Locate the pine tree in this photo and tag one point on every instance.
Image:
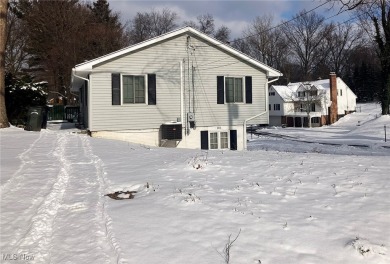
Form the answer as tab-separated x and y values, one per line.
107	34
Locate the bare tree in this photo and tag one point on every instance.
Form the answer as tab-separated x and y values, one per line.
343	39
223	34
374	16
15	53
190	23
267	43
306	34
148	25
3	25
164	21
206	24
242	45
259	38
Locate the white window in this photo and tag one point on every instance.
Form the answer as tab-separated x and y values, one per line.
224	138
214	140
277	107
219	140
234	90
133	89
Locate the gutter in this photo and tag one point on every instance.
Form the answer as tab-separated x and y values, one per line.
88	95
253	117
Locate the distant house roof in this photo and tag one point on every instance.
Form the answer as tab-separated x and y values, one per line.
288	92
284	91
83	69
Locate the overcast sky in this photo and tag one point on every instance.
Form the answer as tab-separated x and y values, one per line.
236	15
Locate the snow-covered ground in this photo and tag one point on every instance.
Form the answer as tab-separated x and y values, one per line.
285	200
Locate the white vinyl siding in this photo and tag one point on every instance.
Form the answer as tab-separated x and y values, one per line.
164	59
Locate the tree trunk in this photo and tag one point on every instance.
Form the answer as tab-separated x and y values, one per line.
385	100
3	25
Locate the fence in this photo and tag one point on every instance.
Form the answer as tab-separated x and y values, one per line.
60	112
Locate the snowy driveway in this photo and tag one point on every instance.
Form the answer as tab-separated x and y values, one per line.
292	203
52	195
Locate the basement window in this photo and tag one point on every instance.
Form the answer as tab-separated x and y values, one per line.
219	140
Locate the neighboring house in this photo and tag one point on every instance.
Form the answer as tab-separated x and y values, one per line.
324	101
182	89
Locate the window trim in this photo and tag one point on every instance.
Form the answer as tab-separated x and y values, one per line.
243	89
275	108
219	139
312	107
146	89
314	119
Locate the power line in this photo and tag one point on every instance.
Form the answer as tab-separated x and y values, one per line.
284	23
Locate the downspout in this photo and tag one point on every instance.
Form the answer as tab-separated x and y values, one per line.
253	117
88	96
182	98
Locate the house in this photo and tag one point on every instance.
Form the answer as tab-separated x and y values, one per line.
182	89
314	103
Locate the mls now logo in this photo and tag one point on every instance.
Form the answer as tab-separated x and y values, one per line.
20	257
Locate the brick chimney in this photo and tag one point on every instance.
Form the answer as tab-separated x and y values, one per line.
333	97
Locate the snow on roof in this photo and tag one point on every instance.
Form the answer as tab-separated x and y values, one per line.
287	92
284	91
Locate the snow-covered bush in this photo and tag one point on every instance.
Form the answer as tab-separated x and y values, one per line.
20	94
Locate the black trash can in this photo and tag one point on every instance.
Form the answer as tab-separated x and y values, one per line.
45	113
34	119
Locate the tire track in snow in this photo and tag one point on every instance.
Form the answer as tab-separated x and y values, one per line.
27	191
101	206
25	159
38	237
82	231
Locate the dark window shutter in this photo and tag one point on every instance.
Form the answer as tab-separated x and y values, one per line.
220	90
116	88
152	89
204	139
233	139
248	89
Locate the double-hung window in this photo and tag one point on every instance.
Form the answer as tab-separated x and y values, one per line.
224	139
134	89
234	90
214	140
